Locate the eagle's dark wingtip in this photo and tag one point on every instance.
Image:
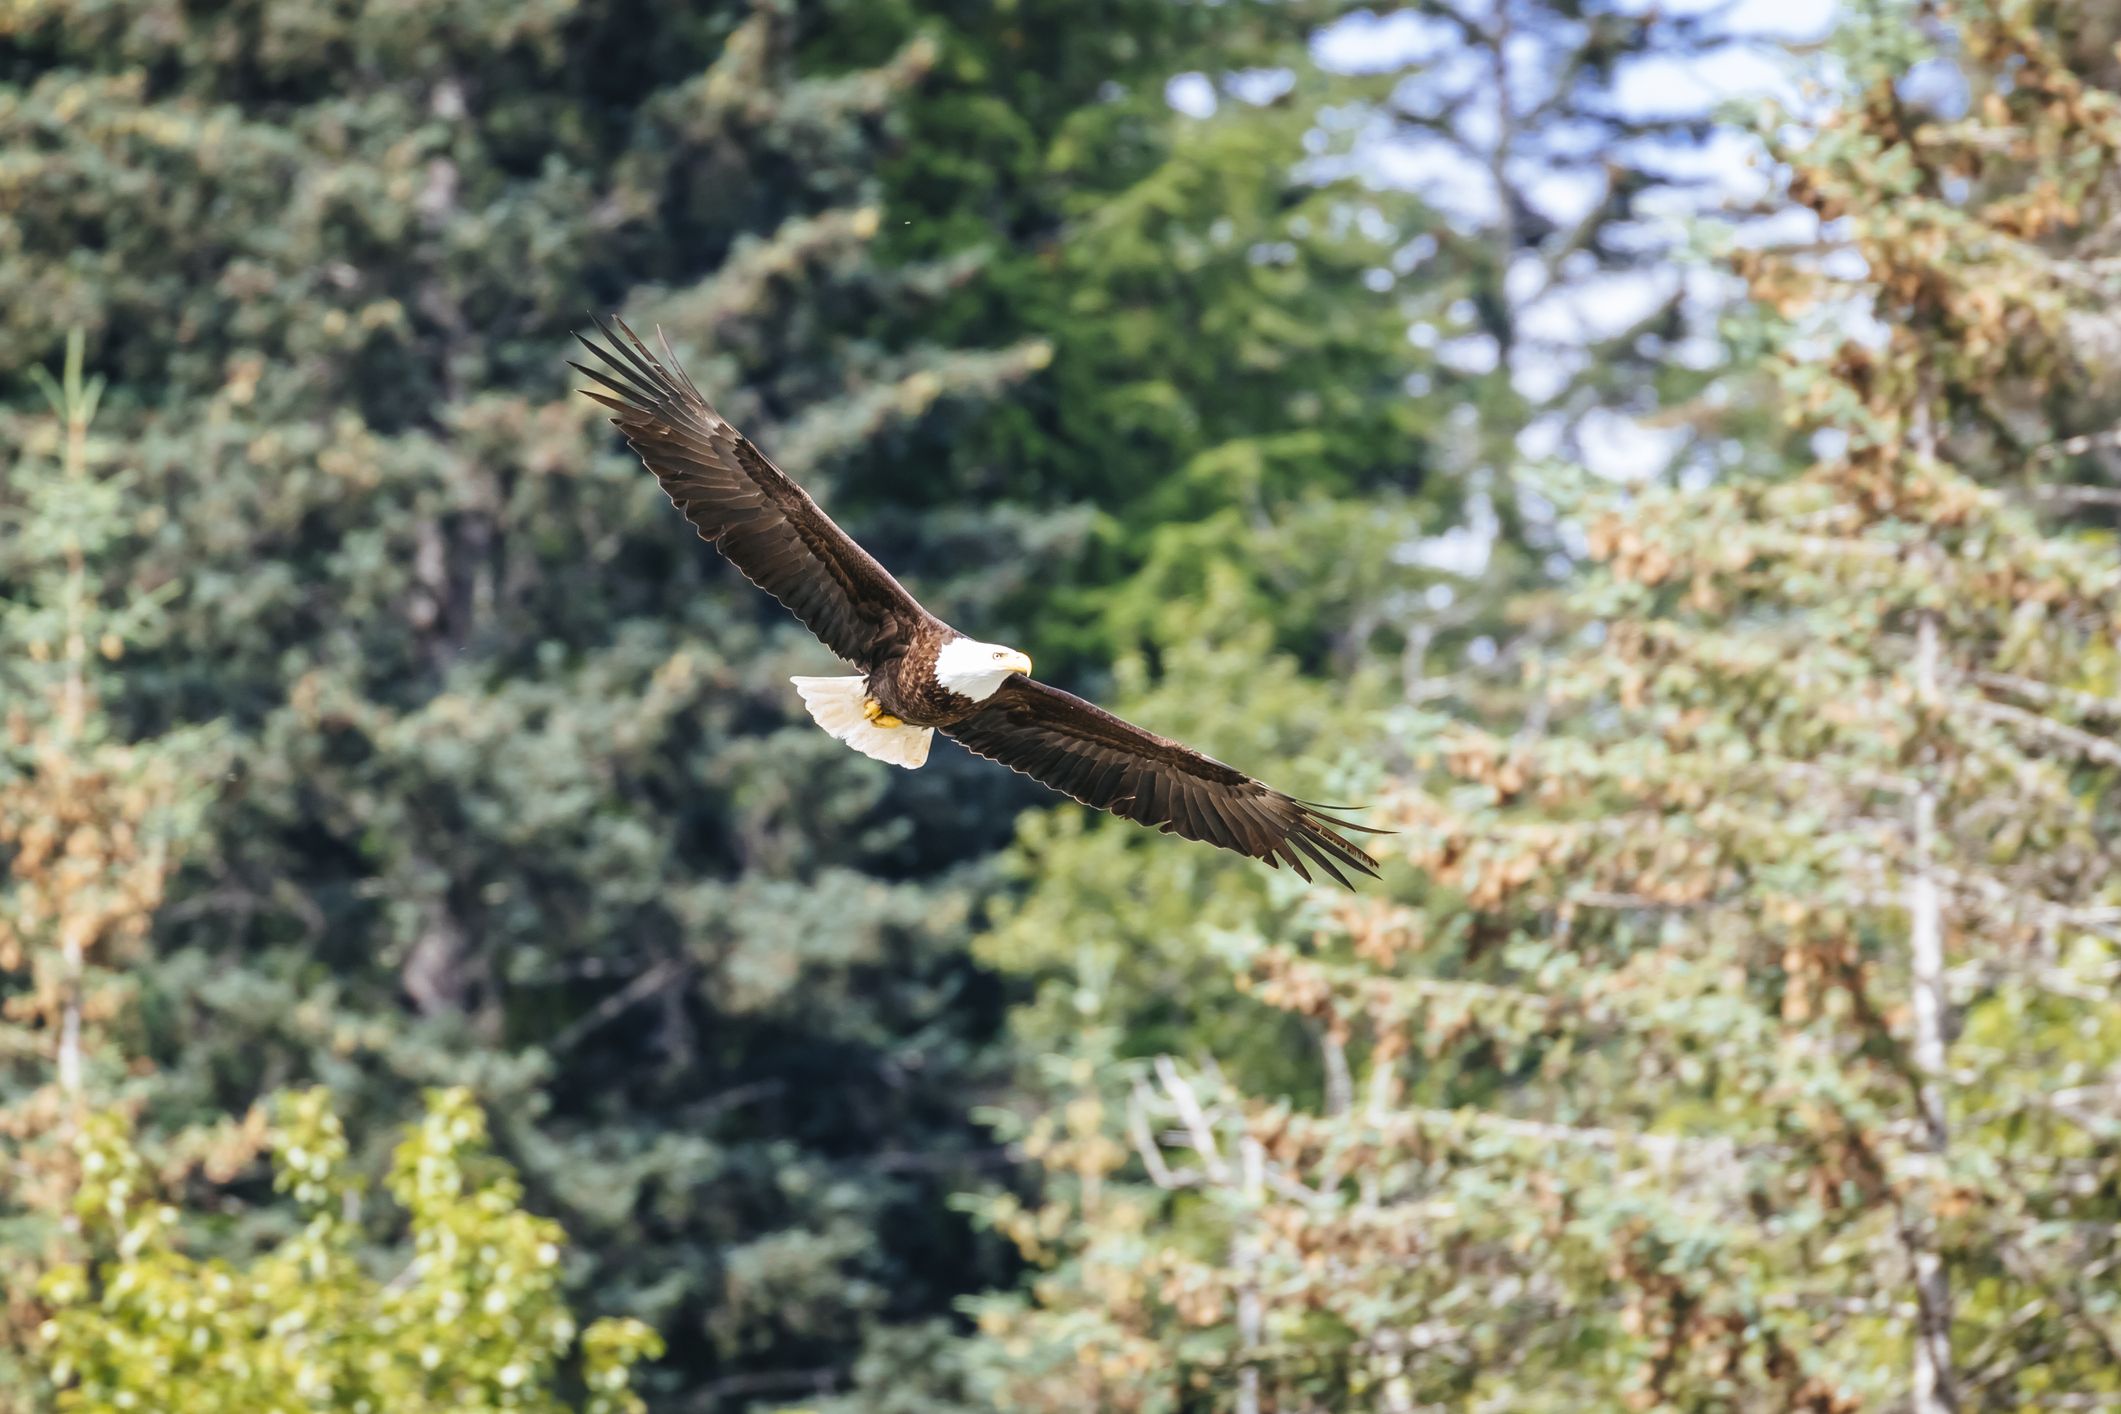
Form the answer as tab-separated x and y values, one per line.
610	356
1318	812
617	346
1322	856
1319	841
629	368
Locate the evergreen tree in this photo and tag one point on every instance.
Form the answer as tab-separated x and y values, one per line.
102	1311
515	798
1745	1036
91	824
1487	312
515	795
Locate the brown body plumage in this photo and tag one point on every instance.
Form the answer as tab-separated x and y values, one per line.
904	684
775	534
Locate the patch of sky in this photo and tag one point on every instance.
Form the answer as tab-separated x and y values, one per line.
1368	43
1436	136
1616	447
1192	94
1938	85
1259	86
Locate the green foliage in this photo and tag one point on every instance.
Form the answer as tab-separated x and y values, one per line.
1217	359
475	1319
512	795
91	826
1112	930
512	791
1282	585
515	792
1741	1035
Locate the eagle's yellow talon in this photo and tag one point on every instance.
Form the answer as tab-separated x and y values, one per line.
874	711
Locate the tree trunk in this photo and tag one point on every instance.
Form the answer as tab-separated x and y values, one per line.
1934	1388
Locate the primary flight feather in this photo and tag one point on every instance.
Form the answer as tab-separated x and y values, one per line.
919	675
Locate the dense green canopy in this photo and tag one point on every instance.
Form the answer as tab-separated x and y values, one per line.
510	790
371	722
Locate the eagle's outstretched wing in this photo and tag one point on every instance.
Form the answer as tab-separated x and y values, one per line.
1086	753
744	505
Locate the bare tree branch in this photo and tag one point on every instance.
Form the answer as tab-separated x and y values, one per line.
1198	1131
638	990
2076	739
2047	695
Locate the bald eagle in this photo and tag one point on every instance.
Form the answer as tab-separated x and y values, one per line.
918	675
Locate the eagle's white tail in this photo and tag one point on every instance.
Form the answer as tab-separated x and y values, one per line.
836	705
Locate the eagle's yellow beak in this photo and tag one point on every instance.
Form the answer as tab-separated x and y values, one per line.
1018	663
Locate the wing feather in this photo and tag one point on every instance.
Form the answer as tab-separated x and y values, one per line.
744	505
1086	753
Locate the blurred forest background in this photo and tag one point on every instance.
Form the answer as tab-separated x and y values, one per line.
442	969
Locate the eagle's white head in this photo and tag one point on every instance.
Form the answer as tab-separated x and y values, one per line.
977	670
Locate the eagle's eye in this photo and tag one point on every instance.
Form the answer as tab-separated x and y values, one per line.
998	657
